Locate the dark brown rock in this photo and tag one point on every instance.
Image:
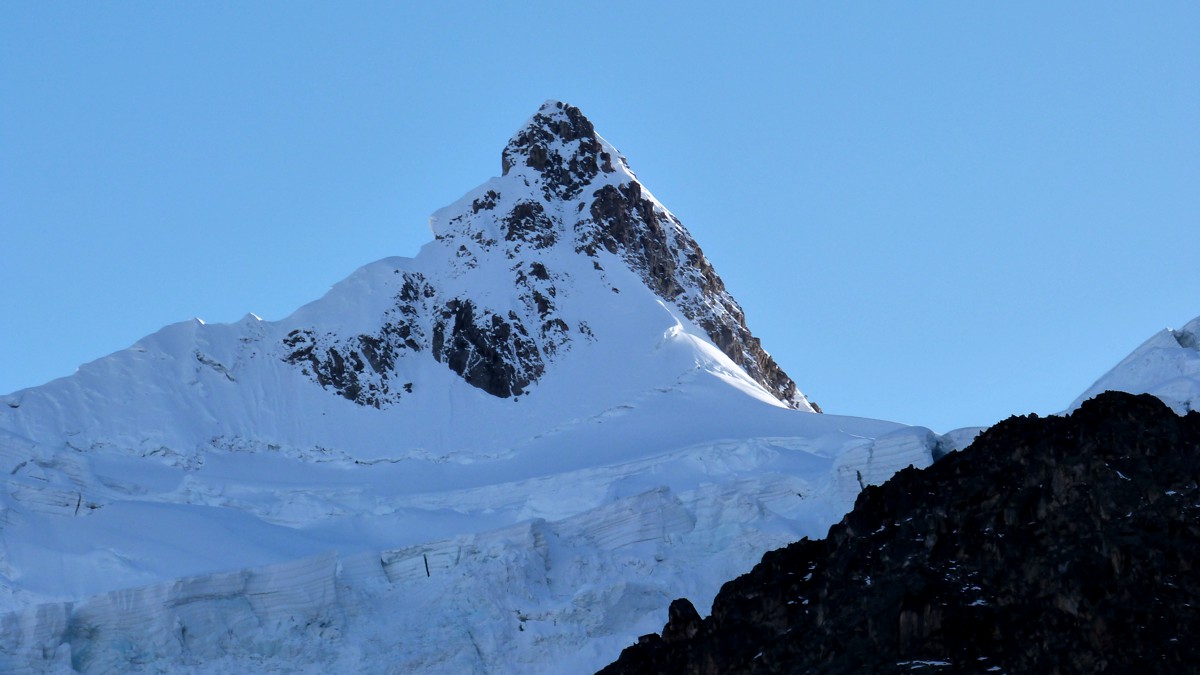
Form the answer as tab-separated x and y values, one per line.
488	351
528	222
683	621
362	367
656	246
541	145
485	203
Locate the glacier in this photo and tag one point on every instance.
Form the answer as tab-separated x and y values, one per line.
1166	366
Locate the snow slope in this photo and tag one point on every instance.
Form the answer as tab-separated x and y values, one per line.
507	454
1166	366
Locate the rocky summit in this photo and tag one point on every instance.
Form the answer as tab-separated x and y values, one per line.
564	192
1056	545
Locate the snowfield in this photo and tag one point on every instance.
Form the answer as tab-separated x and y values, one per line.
535	560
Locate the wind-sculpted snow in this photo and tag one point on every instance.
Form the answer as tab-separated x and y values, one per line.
505	455
574	300
540	560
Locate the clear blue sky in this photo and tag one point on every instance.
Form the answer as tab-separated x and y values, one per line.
935	213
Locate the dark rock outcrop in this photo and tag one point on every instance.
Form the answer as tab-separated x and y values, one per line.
490	352
1056	545
362	368
560	144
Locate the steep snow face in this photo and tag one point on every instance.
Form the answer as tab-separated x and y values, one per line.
1166	366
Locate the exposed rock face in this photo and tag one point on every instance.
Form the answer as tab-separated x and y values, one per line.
491	352
625	221
564	192
362	368
1058	545
560	145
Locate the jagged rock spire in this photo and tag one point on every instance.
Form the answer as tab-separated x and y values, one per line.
559	148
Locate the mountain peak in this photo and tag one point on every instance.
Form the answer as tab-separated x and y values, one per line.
563	197
563	283
559	148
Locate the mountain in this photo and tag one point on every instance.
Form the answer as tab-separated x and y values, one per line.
506	454
524	266
1166	366
1056	545
534	280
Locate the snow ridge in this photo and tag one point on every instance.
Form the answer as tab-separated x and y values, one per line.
1166	366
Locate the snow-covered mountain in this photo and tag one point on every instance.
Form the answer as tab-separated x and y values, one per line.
507	454
1166	366
562	285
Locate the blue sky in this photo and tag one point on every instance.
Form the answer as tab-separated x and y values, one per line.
935	213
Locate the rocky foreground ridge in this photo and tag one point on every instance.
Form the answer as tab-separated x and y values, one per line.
1055	545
